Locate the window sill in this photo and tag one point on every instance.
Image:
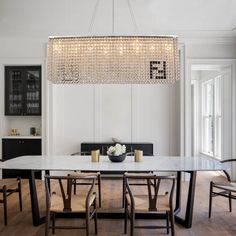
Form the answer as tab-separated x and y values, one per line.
210	156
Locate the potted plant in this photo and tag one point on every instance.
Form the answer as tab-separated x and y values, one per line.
117	153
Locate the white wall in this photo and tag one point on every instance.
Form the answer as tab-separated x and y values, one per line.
22	124
211	50
129	113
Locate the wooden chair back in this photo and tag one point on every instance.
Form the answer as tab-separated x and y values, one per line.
153	184
85	153
65	189
225	171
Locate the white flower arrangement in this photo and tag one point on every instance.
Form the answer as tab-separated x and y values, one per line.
116	150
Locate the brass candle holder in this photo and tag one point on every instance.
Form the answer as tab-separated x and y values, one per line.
138	154
95	155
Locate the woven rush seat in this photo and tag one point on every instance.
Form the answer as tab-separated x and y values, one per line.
78	203
142	203
84	174
131	174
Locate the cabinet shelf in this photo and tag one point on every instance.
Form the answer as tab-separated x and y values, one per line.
22	82
32	101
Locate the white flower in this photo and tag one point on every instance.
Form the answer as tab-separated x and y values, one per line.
116	150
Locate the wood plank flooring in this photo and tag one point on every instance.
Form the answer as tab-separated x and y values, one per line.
222	222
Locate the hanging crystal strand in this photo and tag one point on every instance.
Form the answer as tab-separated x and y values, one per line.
113	17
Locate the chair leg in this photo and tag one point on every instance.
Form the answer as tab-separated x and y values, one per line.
99	191
167	223
95	217
87	222
47	223
172	223
5	204
230	202
123	192
126	218
53	223
20	195
210	199
132	220
75	188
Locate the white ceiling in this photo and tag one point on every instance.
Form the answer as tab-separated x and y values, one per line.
41	18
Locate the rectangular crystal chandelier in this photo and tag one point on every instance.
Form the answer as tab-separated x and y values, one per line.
113	60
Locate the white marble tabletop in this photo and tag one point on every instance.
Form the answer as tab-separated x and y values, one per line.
149	163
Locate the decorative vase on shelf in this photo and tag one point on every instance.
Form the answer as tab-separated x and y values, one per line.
117	153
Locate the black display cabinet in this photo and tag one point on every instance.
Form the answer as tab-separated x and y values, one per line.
15	147
147	148
23	90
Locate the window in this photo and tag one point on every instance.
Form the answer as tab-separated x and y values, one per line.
212	117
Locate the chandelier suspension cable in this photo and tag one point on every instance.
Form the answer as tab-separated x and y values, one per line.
113	17
133	17
92	20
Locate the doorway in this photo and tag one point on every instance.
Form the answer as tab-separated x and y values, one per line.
211	111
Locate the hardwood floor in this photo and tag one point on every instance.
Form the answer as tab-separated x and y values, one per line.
221	223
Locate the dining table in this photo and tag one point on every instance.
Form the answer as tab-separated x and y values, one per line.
175	164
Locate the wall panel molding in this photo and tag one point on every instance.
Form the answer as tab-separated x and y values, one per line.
135	114
97	115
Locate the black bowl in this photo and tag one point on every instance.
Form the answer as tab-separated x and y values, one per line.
119	158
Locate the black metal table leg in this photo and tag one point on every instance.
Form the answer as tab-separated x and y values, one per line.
37	220
178	193
187	221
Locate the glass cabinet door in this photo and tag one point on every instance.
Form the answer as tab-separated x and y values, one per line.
14	88
33	92
23	90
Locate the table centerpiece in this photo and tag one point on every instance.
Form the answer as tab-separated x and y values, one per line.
117	153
